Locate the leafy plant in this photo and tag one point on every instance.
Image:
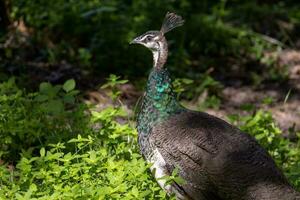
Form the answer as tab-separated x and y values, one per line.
210	102
96	158
208	82
180	85
112	82
174	177
28	121
84	56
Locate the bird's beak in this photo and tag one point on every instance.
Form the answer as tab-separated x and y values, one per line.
134	41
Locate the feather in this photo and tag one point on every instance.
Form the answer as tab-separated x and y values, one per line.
170	22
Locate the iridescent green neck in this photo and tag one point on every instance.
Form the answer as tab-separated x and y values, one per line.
159	101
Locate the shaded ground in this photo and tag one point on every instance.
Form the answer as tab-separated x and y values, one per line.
284	99
284	105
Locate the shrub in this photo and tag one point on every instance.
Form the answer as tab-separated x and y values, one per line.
66	151
29	121
103	165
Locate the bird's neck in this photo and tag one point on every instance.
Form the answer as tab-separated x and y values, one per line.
159	101
160	55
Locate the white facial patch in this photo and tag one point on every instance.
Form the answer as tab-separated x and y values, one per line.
156	38
145	36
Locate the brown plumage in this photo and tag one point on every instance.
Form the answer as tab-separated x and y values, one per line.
217	160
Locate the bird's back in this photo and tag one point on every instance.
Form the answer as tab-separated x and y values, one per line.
216	159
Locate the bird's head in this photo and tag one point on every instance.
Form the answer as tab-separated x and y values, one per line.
153	40
150	39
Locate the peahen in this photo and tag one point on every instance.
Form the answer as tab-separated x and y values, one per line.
216	160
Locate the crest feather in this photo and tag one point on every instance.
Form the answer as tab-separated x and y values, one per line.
171	21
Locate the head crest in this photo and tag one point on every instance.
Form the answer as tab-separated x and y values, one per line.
171	21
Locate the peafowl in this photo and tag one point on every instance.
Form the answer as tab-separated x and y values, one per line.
216	160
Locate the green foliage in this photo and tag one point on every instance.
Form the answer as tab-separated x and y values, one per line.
95	158
112	83
180	85
84	57
208	82
69	85
210	102
188	88
104	165
173	178
28	121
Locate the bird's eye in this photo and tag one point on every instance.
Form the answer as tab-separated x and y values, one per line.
148	38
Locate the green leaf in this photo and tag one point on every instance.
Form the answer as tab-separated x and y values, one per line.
135	191
69	85
33	187
69	99
42	152
41	98
74	92
45	87
55	106
179	180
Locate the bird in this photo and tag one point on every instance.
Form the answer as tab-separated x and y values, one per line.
216	160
